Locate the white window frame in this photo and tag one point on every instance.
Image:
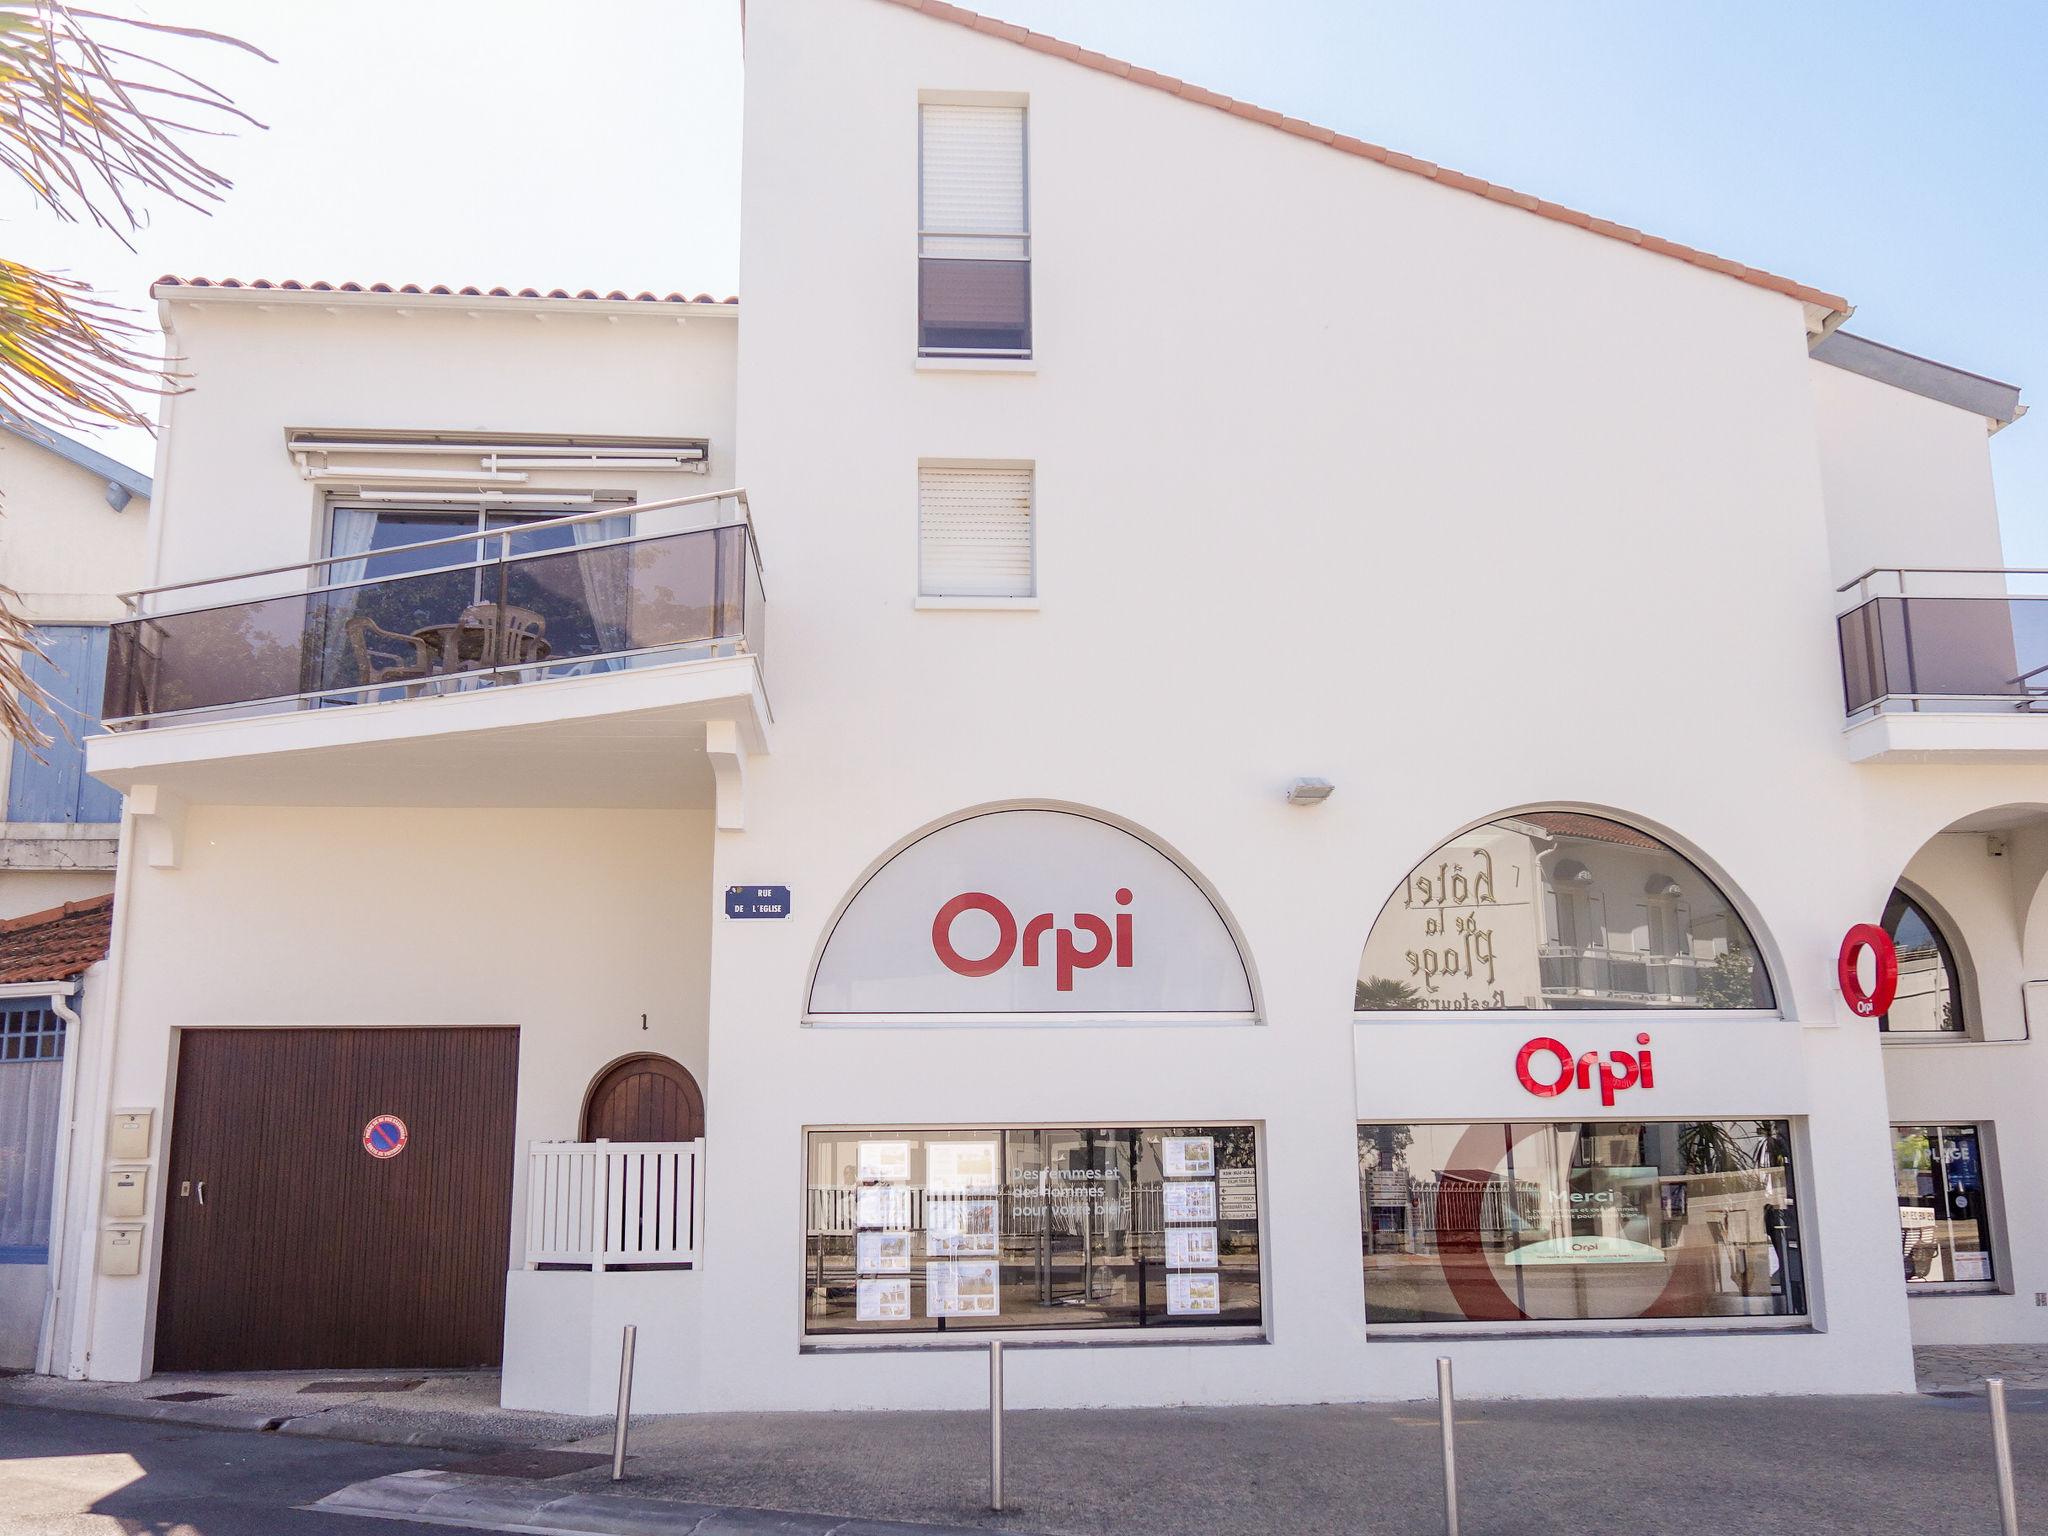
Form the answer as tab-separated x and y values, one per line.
981	358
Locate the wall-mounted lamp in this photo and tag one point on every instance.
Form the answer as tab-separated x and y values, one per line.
1309	791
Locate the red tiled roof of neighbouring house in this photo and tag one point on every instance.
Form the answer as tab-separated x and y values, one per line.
942	11
1597	828
438	290
56	945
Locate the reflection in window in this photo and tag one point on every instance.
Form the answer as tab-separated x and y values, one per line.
1944	1225
936	1231
1549	1222
1558	909
1929	999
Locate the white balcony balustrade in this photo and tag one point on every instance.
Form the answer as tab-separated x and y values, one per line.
614	1204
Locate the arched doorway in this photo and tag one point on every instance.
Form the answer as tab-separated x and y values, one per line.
644	1098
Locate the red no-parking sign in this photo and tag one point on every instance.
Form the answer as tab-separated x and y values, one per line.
385	1136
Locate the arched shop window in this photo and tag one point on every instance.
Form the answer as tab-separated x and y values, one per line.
1555	910
1930	998
1030	913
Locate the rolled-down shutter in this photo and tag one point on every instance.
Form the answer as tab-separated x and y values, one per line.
973	182
974	531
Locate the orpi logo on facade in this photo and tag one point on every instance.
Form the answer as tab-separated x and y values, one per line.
1069	955
1549	1078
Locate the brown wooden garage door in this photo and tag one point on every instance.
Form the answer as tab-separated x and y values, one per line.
303	1251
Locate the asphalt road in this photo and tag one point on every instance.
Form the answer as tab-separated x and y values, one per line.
76	1473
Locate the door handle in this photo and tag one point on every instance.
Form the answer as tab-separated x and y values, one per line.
202	1191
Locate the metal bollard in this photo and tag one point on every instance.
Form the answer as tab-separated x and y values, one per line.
995	1425
1443	1414
2001	1450
632	1335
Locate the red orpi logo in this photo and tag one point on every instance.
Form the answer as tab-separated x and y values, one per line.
1885	965
1617	1069
1068	954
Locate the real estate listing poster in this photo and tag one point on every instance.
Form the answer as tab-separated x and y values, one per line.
882	1301
882	1205
962	1289
1190	1202
1193	1295
960	1227
882	1253
1188	1157
885	1162
961	1165
1190	1247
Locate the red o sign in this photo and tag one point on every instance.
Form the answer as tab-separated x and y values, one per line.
1868	1005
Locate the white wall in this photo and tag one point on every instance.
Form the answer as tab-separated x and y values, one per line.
1907	479
62	548
570	925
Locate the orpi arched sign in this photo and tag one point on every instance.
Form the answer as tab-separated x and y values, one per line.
1030	913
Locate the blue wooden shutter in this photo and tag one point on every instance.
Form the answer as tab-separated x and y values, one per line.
74	675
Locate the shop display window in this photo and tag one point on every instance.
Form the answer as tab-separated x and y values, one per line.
1558	910
915	1231
1944	1216
1546	1222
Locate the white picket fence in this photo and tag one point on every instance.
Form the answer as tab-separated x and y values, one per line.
606	1204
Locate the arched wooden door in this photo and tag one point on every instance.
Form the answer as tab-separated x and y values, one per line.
644	1098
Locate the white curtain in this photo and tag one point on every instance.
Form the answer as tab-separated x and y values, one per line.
607	583
349	543
28	1150
349	538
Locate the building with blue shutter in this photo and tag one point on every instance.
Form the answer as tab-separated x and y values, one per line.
72	537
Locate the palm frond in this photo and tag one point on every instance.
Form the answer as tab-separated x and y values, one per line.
84	125
78	125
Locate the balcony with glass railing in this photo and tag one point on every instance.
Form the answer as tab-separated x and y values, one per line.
561	636
1945	663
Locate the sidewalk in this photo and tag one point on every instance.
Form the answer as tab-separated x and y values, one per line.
1817	1466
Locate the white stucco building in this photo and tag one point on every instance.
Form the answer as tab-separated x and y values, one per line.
828	922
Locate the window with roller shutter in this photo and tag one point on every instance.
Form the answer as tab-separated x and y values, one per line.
974	239
974	531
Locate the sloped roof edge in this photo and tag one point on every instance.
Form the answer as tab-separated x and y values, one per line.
113	471
57	944
941	10
170	285
1997	402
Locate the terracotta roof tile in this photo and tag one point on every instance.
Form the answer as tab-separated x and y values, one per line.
1596	828
57	945
1059	48
293	285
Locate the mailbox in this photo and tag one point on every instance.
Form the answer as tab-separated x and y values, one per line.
120	1251
128	1137
127	1193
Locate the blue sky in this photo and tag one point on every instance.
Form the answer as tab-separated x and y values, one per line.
1888	151
1895	153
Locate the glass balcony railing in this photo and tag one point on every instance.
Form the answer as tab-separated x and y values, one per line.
1978	645
499	613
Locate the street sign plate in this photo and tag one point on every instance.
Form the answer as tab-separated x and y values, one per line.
749	901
